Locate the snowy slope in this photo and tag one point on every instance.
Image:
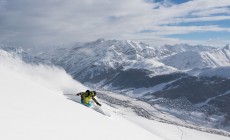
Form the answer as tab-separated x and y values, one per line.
210	71
33	108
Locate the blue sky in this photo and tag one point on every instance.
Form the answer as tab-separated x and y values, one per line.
155	22
195	21
205	35
223	11
171	1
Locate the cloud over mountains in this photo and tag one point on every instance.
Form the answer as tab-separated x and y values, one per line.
57	21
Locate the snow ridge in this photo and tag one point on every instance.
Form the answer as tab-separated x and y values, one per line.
192	60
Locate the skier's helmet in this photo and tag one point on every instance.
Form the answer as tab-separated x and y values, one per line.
87	93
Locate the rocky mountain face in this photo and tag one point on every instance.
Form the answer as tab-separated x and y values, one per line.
180	77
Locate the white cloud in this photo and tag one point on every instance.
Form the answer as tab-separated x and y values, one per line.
168	30
213	11
58	21
190	8
196	19
70	20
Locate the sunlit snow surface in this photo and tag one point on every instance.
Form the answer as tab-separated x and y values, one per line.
33	107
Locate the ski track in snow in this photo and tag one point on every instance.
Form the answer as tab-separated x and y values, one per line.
208	100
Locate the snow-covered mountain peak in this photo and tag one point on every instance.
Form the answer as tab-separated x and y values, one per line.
212	57
187	47
4	53
227	47
13	50
100	40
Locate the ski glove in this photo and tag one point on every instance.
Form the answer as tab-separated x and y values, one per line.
98	104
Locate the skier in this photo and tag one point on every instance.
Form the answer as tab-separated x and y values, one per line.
87	96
